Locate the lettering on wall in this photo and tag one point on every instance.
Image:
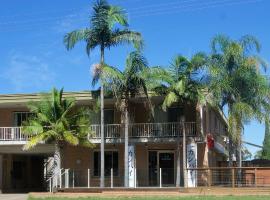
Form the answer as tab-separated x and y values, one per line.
192	163
131	165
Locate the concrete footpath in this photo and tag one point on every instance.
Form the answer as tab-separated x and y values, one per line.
13	196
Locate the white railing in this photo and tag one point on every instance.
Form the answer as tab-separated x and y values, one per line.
170	129
12	134
110	130
137	130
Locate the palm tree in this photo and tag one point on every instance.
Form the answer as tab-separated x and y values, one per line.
55	120
104	33
236	82
125	85
180	83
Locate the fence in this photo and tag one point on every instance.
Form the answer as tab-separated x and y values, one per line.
232	176
166	177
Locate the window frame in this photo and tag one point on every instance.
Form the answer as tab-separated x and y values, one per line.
15	117
112	151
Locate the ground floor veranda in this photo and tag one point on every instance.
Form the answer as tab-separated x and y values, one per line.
150	165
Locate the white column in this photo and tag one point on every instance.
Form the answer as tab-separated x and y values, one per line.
1	173
131	166
192	163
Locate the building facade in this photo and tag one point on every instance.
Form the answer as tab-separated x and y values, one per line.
155	146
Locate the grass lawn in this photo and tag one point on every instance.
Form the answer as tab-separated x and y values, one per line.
164	198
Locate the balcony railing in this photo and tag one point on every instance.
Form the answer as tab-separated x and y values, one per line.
12	134
146	130
136	130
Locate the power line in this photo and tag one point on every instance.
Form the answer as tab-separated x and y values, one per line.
140	13
178	9
138	10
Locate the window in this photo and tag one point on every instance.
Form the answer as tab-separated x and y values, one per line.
111	162
20	117
108	116
175	114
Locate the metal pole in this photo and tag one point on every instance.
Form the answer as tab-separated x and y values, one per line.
88	178
56	181
73	179
60	178
184	155
50	186
111	177
67	178
135	179
160	177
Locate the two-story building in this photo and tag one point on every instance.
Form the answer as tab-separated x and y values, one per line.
155	145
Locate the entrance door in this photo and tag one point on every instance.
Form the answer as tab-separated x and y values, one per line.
153	168
166	163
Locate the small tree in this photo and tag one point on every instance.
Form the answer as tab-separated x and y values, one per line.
55	120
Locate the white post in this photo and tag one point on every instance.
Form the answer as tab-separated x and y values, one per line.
1	171
73	179
184	155
12	134
135	171
66	178
160	177
50	182
56	181
88	178
111	177
60	178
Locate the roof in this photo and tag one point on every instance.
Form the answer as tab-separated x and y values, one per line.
22	99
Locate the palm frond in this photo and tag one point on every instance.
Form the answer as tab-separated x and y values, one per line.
72	38
117	15
127	37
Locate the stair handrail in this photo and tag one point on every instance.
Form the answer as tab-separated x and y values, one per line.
53	176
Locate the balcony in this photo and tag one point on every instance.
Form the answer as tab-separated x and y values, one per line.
13	135
145	130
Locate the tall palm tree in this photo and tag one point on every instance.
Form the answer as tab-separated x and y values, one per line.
55	120
181	82
236	82
125	85
104	32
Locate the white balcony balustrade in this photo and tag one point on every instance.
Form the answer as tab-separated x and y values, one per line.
136	130
12	134
146	130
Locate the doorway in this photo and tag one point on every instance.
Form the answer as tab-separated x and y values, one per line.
164	161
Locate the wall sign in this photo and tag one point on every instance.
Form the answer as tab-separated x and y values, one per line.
131	166
192	163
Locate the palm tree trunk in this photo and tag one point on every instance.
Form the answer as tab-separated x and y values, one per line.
126	144
102	145
178	176
231	146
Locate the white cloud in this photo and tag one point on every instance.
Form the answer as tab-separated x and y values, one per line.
28	72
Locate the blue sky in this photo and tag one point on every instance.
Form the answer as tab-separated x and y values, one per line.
33	57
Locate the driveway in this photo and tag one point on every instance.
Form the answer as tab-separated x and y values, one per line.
13	196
